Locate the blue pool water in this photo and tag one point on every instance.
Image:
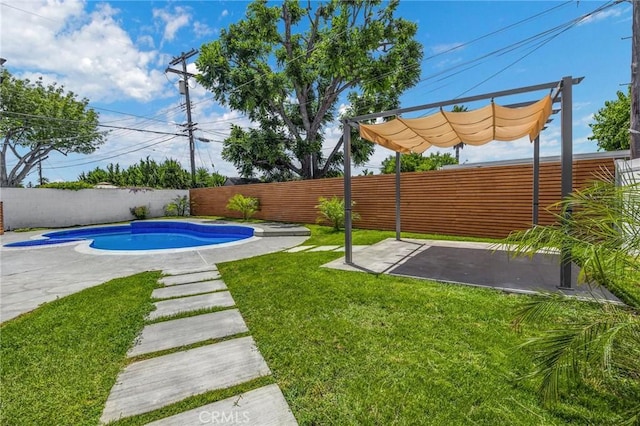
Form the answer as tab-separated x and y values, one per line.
146	236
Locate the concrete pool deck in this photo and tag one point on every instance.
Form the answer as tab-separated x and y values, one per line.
32	276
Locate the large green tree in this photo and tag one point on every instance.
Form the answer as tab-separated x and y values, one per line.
417	162
288	66
611	124
37	119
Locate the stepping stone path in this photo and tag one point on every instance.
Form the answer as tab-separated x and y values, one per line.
158	381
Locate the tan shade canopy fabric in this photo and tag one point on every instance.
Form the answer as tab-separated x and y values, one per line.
446	129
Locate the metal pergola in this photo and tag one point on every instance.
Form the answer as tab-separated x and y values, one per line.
560	91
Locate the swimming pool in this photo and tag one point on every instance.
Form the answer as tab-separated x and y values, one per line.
145	235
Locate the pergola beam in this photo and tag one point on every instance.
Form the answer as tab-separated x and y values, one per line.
499	94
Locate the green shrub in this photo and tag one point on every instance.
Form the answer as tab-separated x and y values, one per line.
332	212
72	186
245	205
140	212
178	207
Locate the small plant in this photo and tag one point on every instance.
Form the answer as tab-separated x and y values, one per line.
332	211
245	205
139	212
178	207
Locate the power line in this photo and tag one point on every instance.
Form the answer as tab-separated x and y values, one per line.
28	12
44	117
114	156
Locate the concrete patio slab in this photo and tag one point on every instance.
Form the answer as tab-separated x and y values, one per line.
32	276
167	308
154	383
263	406
188	289
185	331
381	257
190	278
462	262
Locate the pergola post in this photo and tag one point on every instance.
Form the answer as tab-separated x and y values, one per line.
348	248
567	172
536	179
398	224
562	88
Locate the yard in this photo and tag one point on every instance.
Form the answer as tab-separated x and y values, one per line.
344	347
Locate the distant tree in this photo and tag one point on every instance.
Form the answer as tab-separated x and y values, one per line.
204	179
417	163
95	176
149	173
612	122
288	67
36	120
458	147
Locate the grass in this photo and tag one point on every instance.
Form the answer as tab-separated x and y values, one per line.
345	348
325	235
60	361
353	348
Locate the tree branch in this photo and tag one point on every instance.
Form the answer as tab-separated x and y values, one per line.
329	159
290	124
301	92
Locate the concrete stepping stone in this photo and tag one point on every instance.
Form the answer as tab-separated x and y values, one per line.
262	406
185	331
298	249
188	289
179	271
190	278
154	383
324	248
166	308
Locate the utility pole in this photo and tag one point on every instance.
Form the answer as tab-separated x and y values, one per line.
184	89
634	130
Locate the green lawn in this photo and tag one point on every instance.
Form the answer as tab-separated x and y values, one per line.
354	348
345	347
59	362
324	235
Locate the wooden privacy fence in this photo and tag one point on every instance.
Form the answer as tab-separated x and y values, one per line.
466	201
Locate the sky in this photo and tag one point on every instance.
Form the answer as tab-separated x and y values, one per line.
115	53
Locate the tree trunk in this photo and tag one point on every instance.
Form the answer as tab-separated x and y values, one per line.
634	130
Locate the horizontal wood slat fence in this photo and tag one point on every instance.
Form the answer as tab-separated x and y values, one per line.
486	201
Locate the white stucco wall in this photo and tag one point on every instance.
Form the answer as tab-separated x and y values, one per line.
627	171
56	208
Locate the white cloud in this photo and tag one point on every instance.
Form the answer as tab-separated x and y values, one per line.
90	54
613	12
146	40
200	29
581	105
173	21
585	120
224	13
448	62
445	48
